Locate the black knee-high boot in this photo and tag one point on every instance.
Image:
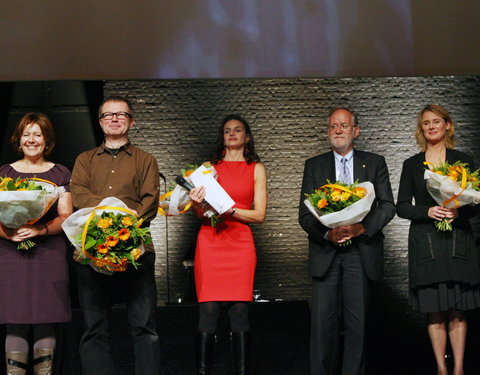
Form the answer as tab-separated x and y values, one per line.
205	344
241	352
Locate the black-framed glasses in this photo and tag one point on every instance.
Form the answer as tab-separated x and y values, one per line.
119	115
343	126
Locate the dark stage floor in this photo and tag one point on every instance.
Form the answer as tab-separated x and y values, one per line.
280	333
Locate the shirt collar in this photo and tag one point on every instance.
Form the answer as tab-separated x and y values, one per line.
339	157
126	147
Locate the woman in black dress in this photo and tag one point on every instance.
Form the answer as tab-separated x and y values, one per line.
34	285
443	265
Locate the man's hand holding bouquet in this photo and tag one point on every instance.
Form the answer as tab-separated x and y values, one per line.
341	207
107	237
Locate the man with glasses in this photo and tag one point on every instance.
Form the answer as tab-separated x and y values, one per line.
118	169
341	273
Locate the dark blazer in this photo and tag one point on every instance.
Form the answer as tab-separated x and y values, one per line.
436	256
366	167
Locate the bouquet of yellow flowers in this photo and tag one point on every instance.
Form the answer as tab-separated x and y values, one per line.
25	201
177	200
452	186
108	237
341	204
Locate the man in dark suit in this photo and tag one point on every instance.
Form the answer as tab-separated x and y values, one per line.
341	274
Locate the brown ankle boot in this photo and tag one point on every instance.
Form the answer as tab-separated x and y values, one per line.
43	361
16	363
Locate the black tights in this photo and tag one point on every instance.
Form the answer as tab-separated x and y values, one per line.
237	313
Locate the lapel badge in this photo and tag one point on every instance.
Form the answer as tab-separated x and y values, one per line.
363	166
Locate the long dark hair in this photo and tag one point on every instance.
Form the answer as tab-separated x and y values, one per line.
249	150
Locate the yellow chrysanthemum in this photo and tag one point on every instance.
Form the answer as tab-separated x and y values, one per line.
136	253
360	191
336	195
127	221
345	196
104	223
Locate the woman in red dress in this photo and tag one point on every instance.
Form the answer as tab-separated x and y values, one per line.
225	256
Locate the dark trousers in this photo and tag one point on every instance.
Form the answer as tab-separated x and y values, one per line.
96	291
341	293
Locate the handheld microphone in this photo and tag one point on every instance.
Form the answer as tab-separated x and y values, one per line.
183	183
186	185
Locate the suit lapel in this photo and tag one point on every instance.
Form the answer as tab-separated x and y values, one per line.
419	163
329	168
359	167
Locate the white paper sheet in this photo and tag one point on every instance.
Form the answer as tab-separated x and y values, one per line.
216	196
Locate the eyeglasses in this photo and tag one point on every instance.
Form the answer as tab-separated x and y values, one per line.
339	126
119	115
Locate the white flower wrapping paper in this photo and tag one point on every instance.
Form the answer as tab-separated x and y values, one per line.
179	198
74	224
177	201
352	214
18	208
443	188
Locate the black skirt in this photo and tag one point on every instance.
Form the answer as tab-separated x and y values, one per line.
445	296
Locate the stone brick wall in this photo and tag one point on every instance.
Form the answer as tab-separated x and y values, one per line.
177	122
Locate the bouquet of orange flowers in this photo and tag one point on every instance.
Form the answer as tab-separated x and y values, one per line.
25	201
341	204
452	186
108	237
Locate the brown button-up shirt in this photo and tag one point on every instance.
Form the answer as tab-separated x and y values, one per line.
131	176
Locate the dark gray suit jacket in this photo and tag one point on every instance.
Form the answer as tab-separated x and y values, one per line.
367	166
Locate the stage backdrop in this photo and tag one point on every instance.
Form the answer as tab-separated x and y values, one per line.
177	121
111	39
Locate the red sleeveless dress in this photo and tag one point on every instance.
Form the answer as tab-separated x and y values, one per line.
225	256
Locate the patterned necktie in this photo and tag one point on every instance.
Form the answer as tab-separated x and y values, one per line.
344	172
